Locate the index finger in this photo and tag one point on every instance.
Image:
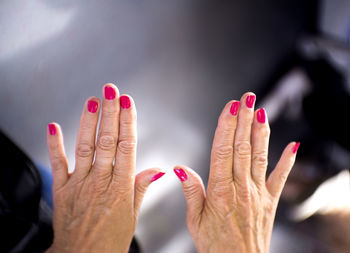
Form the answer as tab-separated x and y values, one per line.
222	149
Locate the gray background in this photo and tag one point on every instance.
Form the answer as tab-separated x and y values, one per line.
180	60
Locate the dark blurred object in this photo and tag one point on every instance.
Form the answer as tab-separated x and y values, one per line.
25	221
327	107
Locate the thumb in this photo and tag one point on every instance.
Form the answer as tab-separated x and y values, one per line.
142	181
193	188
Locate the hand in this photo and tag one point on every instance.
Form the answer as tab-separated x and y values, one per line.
96	207
237	212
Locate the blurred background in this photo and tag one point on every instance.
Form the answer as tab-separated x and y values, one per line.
182	61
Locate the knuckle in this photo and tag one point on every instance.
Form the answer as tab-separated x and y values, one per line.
221	180
106	142
244	195
225	123
243	148
57	158
221	187
126	147
260	158
270	209
127	123
54	148
84	150
264	132
223	152
283	177
109	111
124	192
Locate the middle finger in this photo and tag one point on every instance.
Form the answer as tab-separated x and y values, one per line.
108	131
242	145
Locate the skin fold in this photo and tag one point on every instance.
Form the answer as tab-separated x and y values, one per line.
237	211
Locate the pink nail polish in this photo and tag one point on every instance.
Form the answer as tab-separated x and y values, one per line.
110	93
52	129
181	174
261	115
250	101
92	106
125	102
234	108
157	176
296	147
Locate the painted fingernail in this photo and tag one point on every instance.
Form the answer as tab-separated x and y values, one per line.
92	106
110	93
181	174
234	108
125	102
296	147
261	115
250	101
52	129
157	176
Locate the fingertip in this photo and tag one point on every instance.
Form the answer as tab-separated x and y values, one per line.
295	148
260	116
126	101
234	107
248	99
110	91
227	118
180	172
92	104
157	176
149	175
53	129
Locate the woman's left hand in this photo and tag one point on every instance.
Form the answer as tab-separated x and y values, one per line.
237	211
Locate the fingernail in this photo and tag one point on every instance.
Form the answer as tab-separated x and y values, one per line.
296	147
157	176
234	108
250	101
92	106
52	129
181	174
109	93
125	102
261	116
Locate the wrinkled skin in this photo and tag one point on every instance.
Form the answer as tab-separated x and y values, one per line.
96	207
237	211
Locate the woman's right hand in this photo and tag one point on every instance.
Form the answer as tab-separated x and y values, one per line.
237	212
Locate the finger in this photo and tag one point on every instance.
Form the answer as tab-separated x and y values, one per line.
142	181
108	130
260	146
242	146
193	188
124	170
85	146
222	150
279	175
57	154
